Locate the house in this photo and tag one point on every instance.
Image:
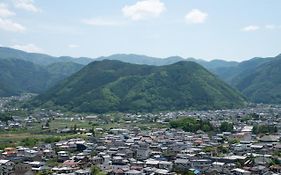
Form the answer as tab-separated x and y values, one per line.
6	167
23	169
10	152
91	118
166	165
82	172
49	154
161	172
37	166
107	163
63	170
200	163
239	171
218	166
182	164
270	138
143	152
133	172
63	156
97	160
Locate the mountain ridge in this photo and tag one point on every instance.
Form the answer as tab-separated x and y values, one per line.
110	85
263	83
20	76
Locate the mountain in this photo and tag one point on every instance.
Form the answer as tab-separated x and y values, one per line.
231	73
261	84
216	64
18	76
142	59
43	59
40	59
104	86
61	70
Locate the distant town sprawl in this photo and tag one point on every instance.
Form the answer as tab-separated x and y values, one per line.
233	141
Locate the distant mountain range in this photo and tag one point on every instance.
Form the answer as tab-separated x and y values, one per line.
19	76
40	59
109	85
252	78
261	83
43	59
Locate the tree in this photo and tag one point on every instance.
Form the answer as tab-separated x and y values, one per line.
191	124
96	171
93	131
75	128
47	124
226	127
45	172
264	129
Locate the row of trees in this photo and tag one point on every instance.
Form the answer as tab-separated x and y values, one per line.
264	129
192	125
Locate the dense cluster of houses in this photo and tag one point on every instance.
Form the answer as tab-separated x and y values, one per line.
158	151
131	150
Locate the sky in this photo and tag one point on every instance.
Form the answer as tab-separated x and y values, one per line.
204	29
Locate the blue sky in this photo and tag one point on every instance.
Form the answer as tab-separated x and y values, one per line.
206	29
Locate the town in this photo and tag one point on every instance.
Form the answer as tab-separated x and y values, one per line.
237	141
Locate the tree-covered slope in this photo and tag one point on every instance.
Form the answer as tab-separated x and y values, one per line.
62	70
231	73
262	84
104	86
18	76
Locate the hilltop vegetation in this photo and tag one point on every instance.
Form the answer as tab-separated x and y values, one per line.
105	86
262	84
258	79
19	76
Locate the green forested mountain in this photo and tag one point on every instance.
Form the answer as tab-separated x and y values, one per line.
19	76
40	59
104	86
44	59
142	59
262	84
231	72
62	70
38	72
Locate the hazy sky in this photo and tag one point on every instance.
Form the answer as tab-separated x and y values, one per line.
207	29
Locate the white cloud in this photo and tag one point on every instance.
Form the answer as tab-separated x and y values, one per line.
196	16
270	27
73	46
144	9
28	48
100	22
251	28
4	11
27	5
11	26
